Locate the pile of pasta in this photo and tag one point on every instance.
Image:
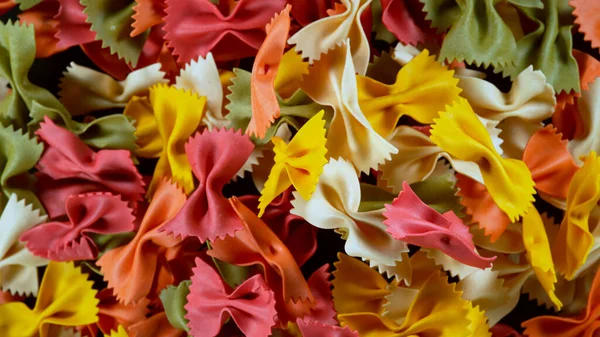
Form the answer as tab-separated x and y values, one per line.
322	168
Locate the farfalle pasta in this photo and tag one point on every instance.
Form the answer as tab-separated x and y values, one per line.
18	266
512	197
241	25
430	229
265	107
384	105
165	119
65	298
298	163
93	213
68	166
331	81
256	244
84	90
293	168
153	257
210	301
227	150
335	205
337	27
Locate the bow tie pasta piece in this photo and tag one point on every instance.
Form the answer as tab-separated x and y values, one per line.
84	90
539	254
584	325
152	260
298	163
411	94
215	157
336	29
548	46
66	298
459	132
331	81
437	310
265	106
410	220
482	208
530	98
299	236
195	27
164	122
42	17
406	20
357	288
552	166
112	24
68	166
18	155
28	101
335	204
211	302
477	32
93	213
257	244
202	77
574	240
18	266
417	158
586	20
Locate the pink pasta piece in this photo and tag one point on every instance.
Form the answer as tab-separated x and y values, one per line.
211	302
68	166
215	158
100	213
409	219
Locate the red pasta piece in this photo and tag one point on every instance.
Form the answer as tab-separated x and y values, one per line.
68	166
215	158
406	20
100	213
196	27
313	328
306	12
211	302
152	260
256	244
409	219
299	236
72	28
320	287
550	162
265	106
